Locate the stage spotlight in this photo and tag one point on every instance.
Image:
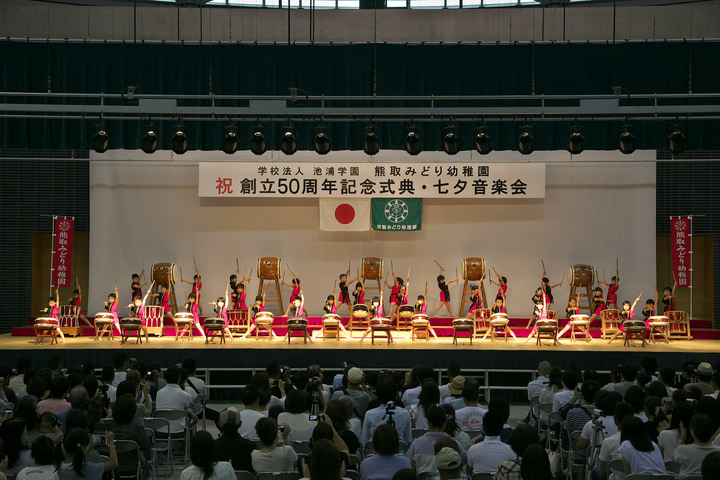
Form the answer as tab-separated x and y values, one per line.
483	144
575	145
322	143
526	143
627	142
148	142
372	144
412	143
179	142
677	142
451	143
257	143
230	143
288	144
100	141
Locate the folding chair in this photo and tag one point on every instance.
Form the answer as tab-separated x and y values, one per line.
161	444
128	452
183	436
244	475
278	476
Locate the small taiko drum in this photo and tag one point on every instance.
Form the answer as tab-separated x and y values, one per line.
658	321
473	268
481	313
634	326
104	318
268	268
406	311
360	310
580	319
184	317
372	268
46	322
331	319
498	319
581	275
214	323
547	325
297	321
264	318
420	319
463	322
610	315
164	273
130	323
380	323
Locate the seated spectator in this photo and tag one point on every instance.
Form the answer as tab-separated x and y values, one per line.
535	387
42	452
522	437
297	415
325	462
470	416
107	377
140	392
449	464
27	408
429	396
421	452
690	457
711	466
230	446
640	455
554	385
386	391
609	447
535	464
667	378
417	376
386	461
336	412
578	417
456	387
567	394
453	370
173	397
325	431
605	402
669	438
405	474
628	374
703	374
252	412
125	429
635	396
17	383
451	428
485	456
14	442
55	402
355	388
204	466
273	458
501	406
74	465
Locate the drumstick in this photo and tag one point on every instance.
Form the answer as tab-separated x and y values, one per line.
250	277
543	264
617	267
143	270
237	265
181	279
637	299
604	282
441	267
563	278
493	269
456	274
426	291
195	264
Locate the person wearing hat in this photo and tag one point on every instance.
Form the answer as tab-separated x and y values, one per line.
356	390
448	464
703	373
230	446
456	388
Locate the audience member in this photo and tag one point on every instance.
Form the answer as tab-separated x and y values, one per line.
501	406
667	378
535	464
429	396
337	413
535	387
271	457
453	370
703	373
523	436
204	466
669	438
296	415
609	447
553	386
325	462
453	430
456	387
711	466
72	459
470	416
568	394
124	428
690	457
230	446
628	374
42	452
173	397
386	461
14	442
605	402
421	452
356	389
252	412
640	455
387	391
449	464
417	376
485	456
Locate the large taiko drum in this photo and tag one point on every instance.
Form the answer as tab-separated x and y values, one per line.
380	323
581	275
164	273
372	268
498	319
473	268
420	319
360	310
184	317
268	268
104	318
331	319
580	320
264	318
406	311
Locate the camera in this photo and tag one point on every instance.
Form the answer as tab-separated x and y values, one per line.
281	428
391	405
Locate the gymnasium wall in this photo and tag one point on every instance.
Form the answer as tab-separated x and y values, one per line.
147	208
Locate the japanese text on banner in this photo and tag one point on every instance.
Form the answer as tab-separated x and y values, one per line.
387	180
62	252
680	245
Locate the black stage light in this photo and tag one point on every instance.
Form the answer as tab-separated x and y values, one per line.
677	142
148	142
100	141
412	143
575	145
627	142
230	143
257	143
372	144
483	144
288	144
451	143
179	142
526	143
322	143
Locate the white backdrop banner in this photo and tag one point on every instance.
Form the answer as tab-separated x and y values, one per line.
348	180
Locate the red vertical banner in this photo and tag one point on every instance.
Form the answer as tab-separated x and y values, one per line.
680	247
62	252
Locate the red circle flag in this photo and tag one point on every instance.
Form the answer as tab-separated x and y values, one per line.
344	213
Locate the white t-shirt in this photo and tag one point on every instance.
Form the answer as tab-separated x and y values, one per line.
562	398
609	452
668	440
690	458
484	457
301	427
221	471
249	419
37	472
609	428
470	418
282	459
642	462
